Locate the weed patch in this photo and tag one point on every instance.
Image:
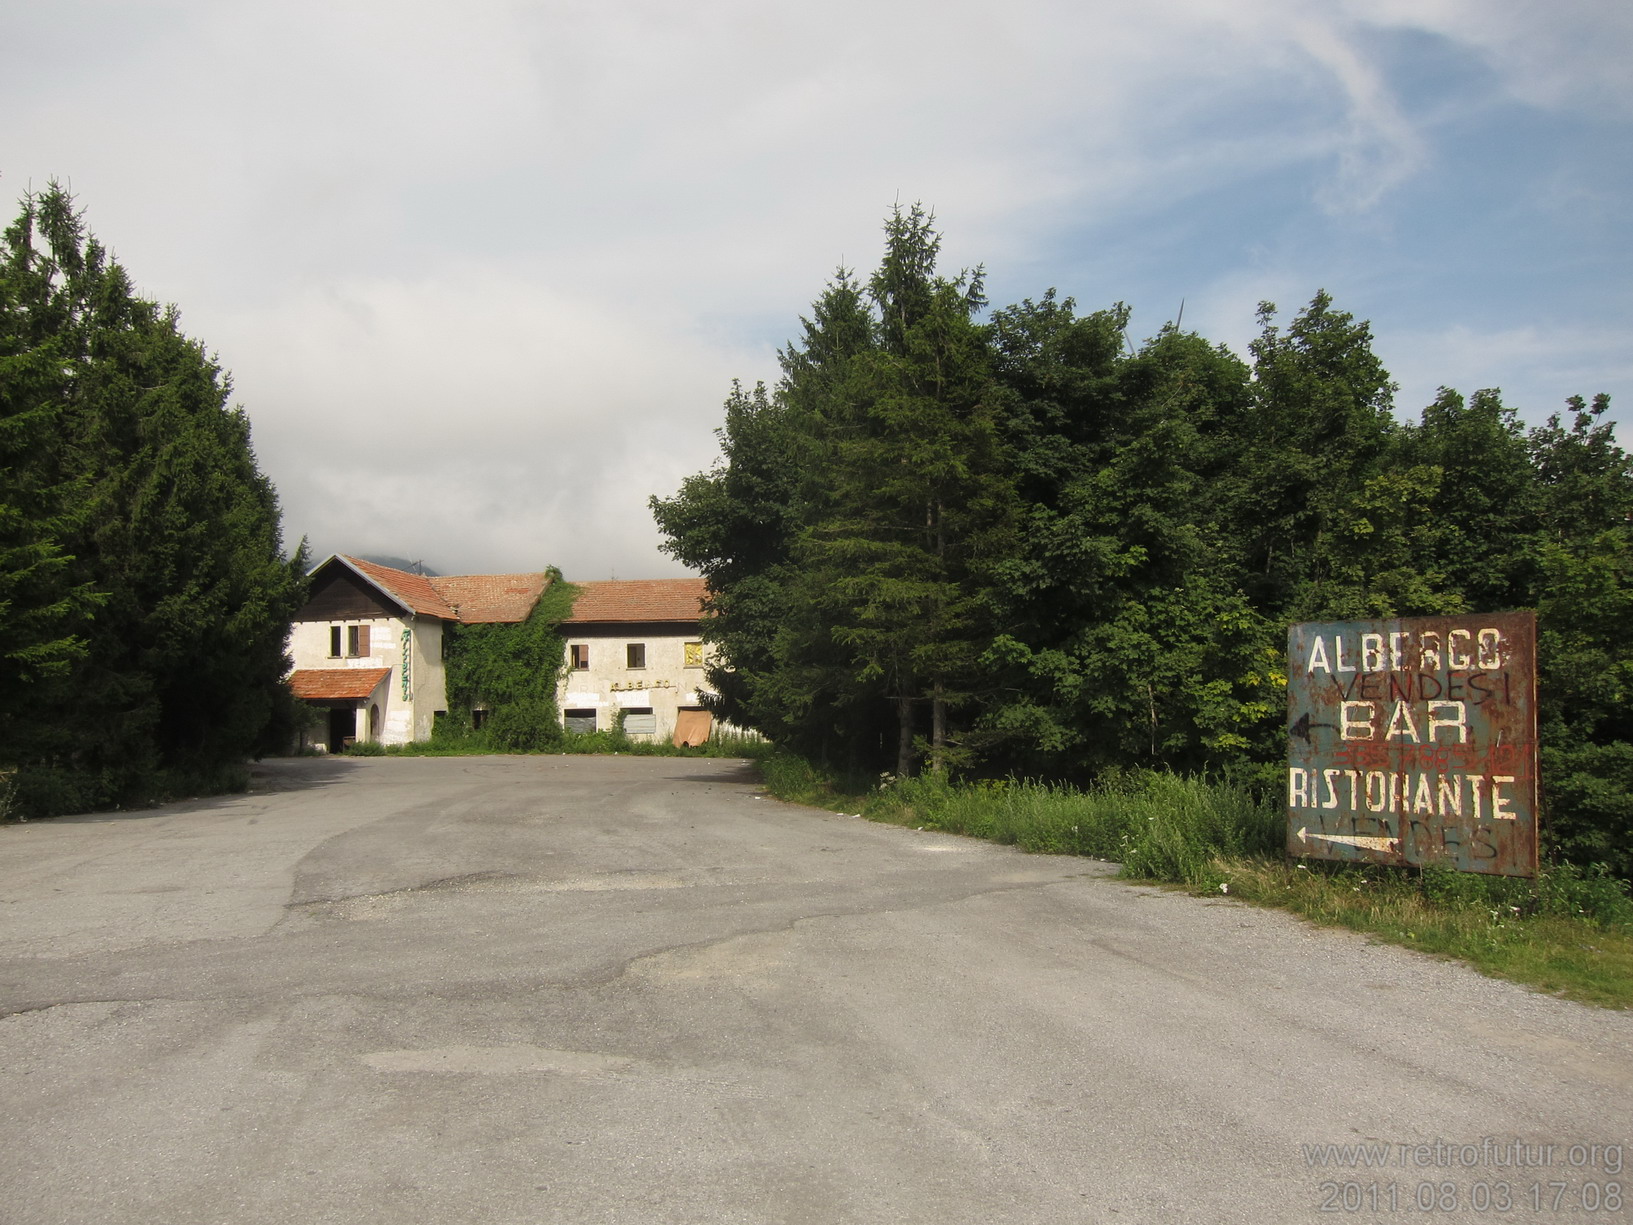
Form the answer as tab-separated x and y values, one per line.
1568	932
456	742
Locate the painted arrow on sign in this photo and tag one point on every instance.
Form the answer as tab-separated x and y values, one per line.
1371	842
1301	729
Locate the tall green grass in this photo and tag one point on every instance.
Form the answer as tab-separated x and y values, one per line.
1568	931
1158	826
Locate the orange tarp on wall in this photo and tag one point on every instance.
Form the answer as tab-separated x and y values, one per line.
692	726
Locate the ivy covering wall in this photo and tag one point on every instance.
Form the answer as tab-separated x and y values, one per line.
509	671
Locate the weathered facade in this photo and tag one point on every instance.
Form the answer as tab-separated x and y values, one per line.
368	645
636	646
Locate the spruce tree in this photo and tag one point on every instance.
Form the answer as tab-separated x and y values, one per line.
171	524
916	508
45	606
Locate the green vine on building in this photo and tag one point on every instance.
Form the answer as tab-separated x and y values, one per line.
510	672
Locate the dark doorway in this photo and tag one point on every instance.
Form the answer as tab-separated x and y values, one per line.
342	727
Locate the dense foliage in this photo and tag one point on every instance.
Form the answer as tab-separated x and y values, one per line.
144	593
1009	542
508	670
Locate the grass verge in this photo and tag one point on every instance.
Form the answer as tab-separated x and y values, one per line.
474	744
1569	932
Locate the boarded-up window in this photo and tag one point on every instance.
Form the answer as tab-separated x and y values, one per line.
357	640
580	655
694	654
635	654
640	721
581	720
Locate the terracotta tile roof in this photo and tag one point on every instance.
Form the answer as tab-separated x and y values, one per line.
641	599
413	591
471	598
484	598
335	684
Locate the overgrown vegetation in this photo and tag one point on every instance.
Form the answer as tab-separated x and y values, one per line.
608	742
1569	931
508	670
1004	542
144	592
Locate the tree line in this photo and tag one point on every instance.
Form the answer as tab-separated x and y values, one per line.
1011	542
145	596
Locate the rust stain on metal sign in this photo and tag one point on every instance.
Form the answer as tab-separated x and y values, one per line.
1414	741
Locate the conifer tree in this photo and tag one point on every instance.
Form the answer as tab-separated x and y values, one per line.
171	525
915	506
44	605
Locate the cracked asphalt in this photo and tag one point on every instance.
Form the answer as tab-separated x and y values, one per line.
583	990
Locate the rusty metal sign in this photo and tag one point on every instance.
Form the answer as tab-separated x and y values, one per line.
1414	741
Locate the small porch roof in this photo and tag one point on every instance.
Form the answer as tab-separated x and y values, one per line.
335	684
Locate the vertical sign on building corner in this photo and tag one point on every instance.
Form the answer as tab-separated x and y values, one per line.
1414	741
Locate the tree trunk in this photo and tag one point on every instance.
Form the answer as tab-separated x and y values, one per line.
938	731
904	738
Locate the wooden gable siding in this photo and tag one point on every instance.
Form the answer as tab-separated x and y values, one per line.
339	595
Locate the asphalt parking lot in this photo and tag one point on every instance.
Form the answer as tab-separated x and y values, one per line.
576	990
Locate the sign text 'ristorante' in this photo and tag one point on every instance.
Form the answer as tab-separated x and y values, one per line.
1413	741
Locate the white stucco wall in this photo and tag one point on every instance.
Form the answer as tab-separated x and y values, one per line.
665	683
403	718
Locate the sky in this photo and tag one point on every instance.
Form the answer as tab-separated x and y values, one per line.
483	272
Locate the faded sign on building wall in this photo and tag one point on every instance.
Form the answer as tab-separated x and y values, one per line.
1413	741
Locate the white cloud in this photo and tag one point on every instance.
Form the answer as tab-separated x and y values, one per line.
1535	365
484	271
1567	54
480	420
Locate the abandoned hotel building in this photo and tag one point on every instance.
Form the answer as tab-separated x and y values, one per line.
368	648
